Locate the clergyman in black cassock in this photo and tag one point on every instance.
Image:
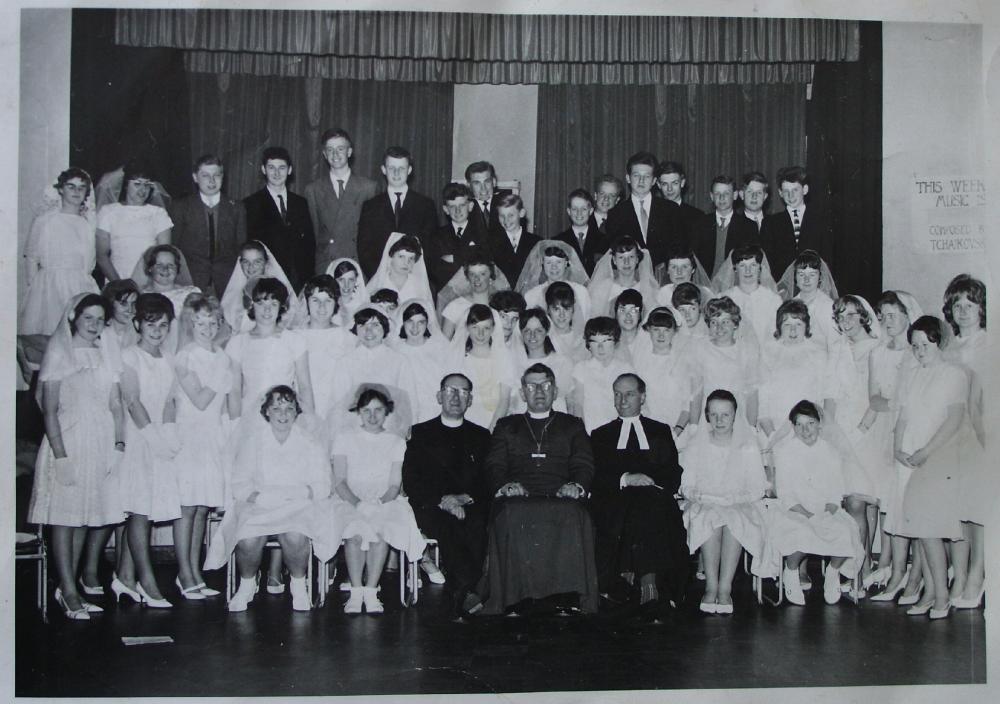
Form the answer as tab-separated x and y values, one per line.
444	476
541	538
640	530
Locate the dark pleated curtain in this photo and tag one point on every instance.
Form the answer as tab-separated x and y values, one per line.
237	116
585	131
844	124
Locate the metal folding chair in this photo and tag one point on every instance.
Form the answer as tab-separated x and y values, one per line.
31	546
232	573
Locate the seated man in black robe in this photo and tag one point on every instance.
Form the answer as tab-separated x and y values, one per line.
541	539
444	476
640	531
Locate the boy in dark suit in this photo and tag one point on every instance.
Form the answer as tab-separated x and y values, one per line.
280	219
584	235
508	241
788	233
446	250
653	222
754	193
718	233
672	183
481	178
399	209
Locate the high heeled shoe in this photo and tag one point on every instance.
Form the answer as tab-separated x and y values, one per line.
207	590
889	594
912	598
119	589
191	593
90	591
149	601
919	609
879	576
72	614
970	603
935	614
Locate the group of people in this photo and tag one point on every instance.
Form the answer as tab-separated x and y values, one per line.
336	370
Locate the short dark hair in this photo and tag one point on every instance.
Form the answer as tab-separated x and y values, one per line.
510	200
840	305
396	152
73	172
930	325
640	158
554	251
149	260
808	259
543	319
723	179
629	297
455	190
747	251
602	325
119	290
267	288
207	160
322	283
93	299
477	256
685	294
560	293
363	316
720	305
539	368
150	307
608	178
275	153
721	395
640	383
478	313
508	301
333	133
279	393
407	243
374	393
670	167
133	169
624	244
478	167
460	375
803	408
755	176
681	251
255	245
346	267
792	174
385	295
891	298
414	309
973	289
580	193
792	308
660	318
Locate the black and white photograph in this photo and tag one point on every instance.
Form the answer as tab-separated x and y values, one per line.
536	351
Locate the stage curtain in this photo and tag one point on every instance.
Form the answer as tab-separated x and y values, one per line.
844	124
237	116
491	48
585	131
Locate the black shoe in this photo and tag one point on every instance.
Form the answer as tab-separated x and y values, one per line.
652	612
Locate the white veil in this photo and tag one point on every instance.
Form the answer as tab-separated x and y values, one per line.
602	284
108	187
533	273
49	199
459	287
699	277
145	283
417	283
725	278
234	308
787	288
360	298
436	336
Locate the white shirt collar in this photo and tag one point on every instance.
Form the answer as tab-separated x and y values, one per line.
451	422
645	201
580	230
345	178
275	193
401	191
719	217
632	422
538	416
756	217
210	201
515	237
463	227
801	209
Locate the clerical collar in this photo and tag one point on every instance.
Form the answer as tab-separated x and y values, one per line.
451	422
640	434
210	201
538	416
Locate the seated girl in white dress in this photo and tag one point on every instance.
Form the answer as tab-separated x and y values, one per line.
593	398
207	399
509	306
367	466
682	266
148	484
686	303
255	262
537	347
629	309
479	352
280	478
402	269
658	356
566	333
810	486
723	483
475	282
421	341
163	269
550	261
353	290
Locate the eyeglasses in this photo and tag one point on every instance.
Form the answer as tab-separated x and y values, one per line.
721	324
544	386
455	392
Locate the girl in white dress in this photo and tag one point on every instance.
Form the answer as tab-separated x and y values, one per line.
367	466
121	296
129	227
810	485
148	484
682	266
593	397
207	380
628	309
566	333
965	310
353	290
479	352
255	261
163	269
811	280
475	282
59	255
723	484
686	303
537	347
84	426
658	357
402	269
889	365
280	481
626	265
327	342
421	341
748	281
550	261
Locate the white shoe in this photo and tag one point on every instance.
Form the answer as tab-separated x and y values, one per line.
432	571
275	588
244	595
372	604
300	595
793	589
355	601
831	585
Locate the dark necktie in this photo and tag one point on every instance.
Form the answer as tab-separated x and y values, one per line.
486	212
581	238
399	206
340	187
796	224
281	209
603	226
459	233
211	233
